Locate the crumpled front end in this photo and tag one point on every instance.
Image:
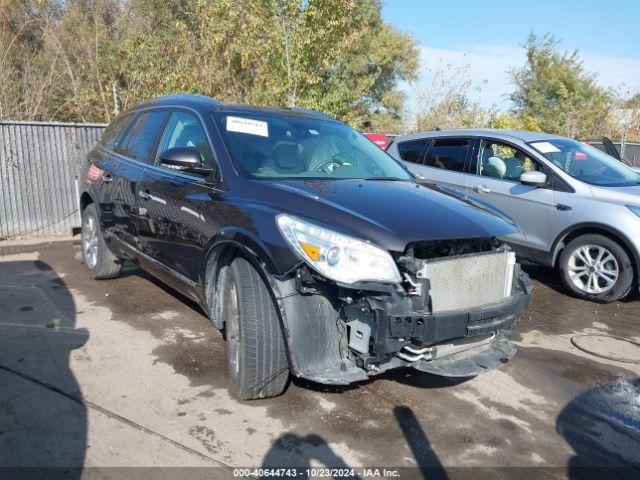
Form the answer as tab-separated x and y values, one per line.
451	315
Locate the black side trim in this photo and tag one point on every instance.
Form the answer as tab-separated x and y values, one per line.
154	262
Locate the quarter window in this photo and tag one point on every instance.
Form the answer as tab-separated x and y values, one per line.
113	131
412	151
140	138
184	130
449	154
502	161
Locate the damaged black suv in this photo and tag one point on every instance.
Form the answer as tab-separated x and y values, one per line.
316	253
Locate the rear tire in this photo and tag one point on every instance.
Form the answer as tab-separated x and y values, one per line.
596	268
256	353
99	261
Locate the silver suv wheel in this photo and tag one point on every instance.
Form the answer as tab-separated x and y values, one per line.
593	268
597	268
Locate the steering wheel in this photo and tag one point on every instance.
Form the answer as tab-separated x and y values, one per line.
324	166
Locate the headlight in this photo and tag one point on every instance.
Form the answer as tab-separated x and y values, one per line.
634	209
336	256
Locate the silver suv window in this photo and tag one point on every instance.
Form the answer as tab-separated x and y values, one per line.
503	161
586	163
448	153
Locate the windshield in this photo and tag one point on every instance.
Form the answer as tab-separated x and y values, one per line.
587	163
272	146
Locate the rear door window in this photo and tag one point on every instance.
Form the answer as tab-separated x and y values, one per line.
412	151
139	140
448	154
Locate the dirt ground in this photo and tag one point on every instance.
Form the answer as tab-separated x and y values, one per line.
127	373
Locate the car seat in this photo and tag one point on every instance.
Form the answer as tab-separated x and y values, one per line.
514	168
285	158
494	167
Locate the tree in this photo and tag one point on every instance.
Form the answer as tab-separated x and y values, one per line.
556	94
450	101
64	59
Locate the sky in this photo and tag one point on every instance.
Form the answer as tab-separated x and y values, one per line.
487	36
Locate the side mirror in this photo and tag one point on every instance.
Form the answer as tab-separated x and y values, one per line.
187	159
534	179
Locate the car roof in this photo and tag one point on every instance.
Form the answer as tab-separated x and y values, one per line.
522	135
202	103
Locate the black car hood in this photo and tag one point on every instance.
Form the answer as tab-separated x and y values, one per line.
388	213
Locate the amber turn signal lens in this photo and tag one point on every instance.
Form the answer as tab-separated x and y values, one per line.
312	251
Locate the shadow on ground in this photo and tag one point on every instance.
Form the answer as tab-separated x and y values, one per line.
312	451
43	421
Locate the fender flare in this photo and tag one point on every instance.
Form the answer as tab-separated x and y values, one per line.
252	248
593	227
83	205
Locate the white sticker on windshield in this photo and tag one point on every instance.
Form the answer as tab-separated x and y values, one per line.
545	147
247	125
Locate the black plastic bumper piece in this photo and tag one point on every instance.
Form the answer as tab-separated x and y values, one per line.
470	363
433	328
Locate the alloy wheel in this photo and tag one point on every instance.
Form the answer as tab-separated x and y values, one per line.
593	269
90	241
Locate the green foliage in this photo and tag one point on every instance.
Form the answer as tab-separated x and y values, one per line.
555	94
64	60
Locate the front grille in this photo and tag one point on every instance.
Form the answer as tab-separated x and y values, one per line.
468	281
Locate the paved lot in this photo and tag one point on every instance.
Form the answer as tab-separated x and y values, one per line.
126	372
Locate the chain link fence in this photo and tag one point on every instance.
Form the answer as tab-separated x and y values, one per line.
631	152
39	163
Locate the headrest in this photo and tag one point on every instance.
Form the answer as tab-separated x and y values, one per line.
285	155
498	165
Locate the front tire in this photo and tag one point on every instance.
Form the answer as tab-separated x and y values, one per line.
596	268
99	261
256	353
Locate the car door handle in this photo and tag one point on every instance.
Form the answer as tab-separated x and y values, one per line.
481	189
563	208
144	195
107	178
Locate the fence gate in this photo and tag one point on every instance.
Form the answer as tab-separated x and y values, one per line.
38	167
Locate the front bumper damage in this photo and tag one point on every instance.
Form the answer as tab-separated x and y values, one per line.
339	335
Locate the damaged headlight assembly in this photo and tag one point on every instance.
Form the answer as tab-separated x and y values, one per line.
338	257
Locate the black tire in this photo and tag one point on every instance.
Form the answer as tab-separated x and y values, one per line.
624	280
256	352
106	264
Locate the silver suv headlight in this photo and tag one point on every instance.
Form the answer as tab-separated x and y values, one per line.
336	256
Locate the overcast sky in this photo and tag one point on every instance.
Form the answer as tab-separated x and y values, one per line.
486	36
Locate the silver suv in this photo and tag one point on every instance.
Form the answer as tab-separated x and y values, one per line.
578	208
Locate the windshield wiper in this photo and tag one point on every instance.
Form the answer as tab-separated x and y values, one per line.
384	179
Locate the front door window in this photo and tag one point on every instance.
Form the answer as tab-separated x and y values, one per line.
184	130
504	162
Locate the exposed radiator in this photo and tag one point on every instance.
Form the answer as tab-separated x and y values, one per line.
469	281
